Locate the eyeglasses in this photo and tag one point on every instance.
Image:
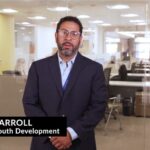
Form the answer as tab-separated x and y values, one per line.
65	33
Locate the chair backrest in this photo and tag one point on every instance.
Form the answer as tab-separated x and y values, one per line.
8	72
123	72
107	73
133	67
11	72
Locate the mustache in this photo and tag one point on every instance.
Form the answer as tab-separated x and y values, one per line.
67	43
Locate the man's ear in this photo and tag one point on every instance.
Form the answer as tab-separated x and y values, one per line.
55	35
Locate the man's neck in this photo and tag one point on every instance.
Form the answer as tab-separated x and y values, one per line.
66	58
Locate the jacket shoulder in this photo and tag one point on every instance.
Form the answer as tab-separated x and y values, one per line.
44	61
91	62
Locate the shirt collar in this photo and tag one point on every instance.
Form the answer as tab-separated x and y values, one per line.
62	61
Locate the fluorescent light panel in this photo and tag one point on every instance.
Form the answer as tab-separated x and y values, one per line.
136	21
129	15
96	21
25	23
59	9
105	24
142	24
83	16
8	10
119	6
37	18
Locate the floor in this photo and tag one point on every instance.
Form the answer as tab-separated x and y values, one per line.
15	143
135	135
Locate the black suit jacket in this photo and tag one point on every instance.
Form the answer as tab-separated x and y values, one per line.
83	102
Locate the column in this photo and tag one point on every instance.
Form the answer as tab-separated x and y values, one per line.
7	46
99	41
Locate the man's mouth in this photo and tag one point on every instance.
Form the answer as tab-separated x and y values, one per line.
67	45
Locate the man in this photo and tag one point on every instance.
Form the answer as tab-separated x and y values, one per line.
67	84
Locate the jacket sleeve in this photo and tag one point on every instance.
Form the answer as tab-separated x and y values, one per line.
96	109
31	95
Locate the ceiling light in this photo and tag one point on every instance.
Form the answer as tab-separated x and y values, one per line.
137	21
106	24
83	16
22	28
129	15
8	10
25	23
142	24
97	21
59	9
37	18
120	6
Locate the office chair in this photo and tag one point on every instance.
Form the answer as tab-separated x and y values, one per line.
107	73
11	72
113	110
133	66
123	72
113	103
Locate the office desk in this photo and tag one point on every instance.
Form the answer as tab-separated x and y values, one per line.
129	84
142	69
127	89
139	74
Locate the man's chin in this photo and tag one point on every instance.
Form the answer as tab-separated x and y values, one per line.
67	53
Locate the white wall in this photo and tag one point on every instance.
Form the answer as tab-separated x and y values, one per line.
44	41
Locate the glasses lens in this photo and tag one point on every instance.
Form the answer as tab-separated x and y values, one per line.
75	34
65	33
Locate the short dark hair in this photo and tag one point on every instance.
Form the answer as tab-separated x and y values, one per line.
71	19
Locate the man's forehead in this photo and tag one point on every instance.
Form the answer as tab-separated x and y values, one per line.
69	25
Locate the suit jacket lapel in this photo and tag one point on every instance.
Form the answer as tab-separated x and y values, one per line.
74	74
55	71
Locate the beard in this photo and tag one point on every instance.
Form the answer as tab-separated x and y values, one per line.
67	51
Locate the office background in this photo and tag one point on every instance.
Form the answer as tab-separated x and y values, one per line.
115	32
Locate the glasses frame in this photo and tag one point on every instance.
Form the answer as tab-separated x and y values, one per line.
65	33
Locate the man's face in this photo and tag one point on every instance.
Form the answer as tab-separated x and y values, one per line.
68	38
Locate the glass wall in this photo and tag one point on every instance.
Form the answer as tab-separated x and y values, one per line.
115	32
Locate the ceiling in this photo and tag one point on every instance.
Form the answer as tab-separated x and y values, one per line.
96	9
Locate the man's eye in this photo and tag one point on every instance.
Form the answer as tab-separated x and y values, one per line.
65	32
74	33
